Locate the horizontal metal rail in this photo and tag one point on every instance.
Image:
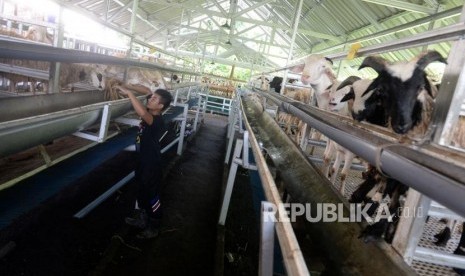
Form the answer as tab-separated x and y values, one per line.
21	70
433	170
17	49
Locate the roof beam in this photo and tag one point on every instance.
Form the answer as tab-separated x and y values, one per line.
367	14
206	33
211	13
286	28
221	60
252	7
120	11
402	5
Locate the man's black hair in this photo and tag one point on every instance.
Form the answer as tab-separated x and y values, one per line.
165	97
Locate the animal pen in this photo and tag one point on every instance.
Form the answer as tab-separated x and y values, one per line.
283	154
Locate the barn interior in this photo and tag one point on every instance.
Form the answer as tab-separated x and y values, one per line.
257	146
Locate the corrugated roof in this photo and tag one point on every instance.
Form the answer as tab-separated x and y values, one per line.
261	35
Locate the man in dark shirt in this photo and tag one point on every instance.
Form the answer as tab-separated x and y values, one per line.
148	173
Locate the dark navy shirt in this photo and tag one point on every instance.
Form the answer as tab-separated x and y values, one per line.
148	141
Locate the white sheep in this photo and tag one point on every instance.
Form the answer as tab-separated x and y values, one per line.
342	108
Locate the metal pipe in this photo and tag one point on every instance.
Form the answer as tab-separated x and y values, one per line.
89	207
305	183
433	171
16	49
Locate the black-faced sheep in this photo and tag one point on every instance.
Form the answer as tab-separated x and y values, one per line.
406	97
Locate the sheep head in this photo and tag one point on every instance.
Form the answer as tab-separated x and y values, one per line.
366	104
340	92
315	66
399	86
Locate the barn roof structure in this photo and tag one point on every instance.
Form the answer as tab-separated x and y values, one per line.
260	33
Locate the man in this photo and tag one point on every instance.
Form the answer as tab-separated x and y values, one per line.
148	174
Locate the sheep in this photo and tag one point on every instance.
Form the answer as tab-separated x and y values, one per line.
276	84
406	91
366	105
342	108
317	72
406	95
39	34
264	83
292	124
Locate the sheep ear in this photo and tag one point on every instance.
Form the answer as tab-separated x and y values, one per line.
377	63
330	60
349	96
349	81
427	58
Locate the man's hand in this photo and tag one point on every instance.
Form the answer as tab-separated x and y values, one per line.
123	91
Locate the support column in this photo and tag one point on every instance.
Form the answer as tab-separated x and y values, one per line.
295	26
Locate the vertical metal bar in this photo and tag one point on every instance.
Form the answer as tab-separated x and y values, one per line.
196	120
304	138
179	33
267	222
245	153
204	108
189	93
231	138
451	92
107	9
176	96
241	128
183	130
411	224
54	71
106	115
230	183
291	47
135	6
43	152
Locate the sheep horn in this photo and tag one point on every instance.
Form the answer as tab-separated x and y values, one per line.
429	57
330	60
349	96
349	81
375	62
